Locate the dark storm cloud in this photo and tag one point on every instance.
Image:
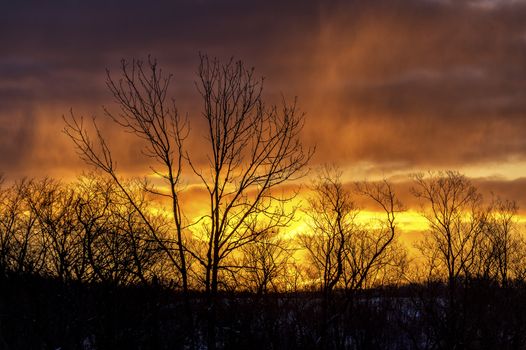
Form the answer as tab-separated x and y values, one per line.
91	30
55	56
414	83
45	41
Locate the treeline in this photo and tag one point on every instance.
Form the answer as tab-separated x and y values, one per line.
87	231
352	277
84	231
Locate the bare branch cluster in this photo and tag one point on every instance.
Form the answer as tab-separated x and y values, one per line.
344	252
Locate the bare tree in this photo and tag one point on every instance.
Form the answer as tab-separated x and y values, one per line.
145	111
373	255
345	252
253	149
331	214
499	241
453	208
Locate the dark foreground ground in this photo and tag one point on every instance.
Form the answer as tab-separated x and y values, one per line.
37	313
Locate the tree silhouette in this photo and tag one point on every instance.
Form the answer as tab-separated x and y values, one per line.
331	214
453	208
145	111
252	150
499	242
373	255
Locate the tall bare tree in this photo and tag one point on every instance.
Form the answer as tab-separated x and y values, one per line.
253	149
141	94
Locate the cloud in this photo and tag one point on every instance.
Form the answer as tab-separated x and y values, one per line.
16	139
424	84
399	84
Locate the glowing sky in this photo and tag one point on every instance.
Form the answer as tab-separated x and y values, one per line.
389	87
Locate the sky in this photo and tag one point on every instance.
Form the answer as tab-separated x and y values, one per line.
389	87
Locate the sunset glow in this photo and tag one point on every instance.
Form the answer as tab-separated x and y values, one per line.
399	92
